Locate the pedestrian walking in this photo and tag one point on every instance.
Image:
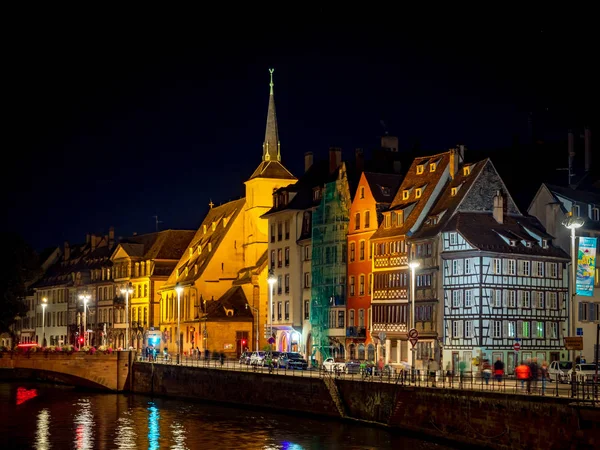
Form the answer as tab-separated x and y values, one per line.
486	371
523	373
433	368
533	367
544	374
462	366
498	371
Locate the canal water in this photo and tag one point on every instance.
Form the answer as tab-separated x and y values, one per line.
46	416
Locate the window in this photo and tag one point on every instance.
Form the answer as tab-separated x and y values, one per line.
553	330
420	169
526	299
361	250
456	299
496	329
361	285
511	300
539	330
306	279
287	230
583	311
287	310
526	333
387	220
352	251
279	310
525	268
351	318
367	219
512	329
279	284
306	309
469	329
405	194
539	304
457	267
468	266
357	221
287	256
552	300
418	192
307	253
468	298
341	319
553	270
576	211
362	192
538	269
279	231
511	267
453	191
393	214
279	257
457	328
596	214
351	284
453	239
361	317
466	170
432	167
287	283
497	266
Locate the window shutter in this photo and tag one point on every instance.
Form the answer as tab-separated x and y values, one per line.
505	328
580	311
548	329
504	298
561	332
592	312
520	299
504	266
461	325
519	328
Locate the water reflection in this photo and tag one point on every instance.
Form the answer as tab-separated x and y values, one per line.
125	435
42	434
24	394
178	436
84	425
153	427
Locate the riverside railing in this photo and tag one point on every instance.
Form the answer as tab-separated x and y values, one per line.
579	390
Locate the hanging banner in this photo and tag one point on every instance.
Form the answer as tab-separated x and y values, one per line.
586	266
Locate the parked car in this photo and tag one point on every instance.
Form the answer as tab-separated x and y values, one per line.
331	365
257	359
559	370
584	372
353	366
275	358
293	360
245	357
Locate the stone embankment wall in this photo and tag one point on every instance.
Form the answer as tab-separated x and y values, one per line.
486	419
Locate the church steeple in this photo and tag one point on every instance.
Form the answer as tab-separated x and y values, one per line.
271	150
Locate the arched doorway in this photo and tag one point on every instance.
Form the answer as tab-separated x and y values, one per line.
352	351
361	351
283	342
371	352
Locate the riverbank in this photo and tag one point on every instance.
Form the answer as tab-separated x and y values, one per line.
486	419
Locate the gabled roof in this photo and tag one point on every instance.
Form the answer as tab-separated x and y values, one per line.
483	232
383	186
223	217
413	180
272	169
166	244
588	196
234	300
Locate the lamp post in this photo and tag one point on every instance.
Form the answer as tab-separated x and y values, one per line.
85	298
255	310
44	304
128	289
179	289
271	279
573	223
413	266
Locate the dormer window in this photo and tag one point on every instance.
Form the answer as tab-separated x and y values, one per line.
453	191
191	251
214	225
432	167
204	228
596	214
576	211
195	269
186	271
512	242
544	243
199	249
420	169
418	192
466	170
224	222
209	246
387	220
528	244
394	215
405	194
316	194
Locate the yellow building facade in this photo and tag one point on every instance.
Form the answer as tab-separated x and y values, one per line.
218	291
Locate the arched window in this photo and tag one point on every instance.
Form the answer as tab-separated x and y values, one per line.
357	221
371	352
361	351
367	219
352	351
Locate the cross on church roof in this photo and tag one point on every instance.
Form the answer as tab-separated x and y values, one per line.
211	204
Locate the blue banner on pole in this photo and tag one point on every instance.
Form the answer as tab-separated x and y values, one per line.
586	266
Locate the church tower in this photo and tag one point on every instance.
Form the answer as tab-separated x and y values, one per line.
268	176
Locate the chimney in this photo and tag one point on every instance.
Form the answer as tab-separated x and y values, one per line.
499	207
461	152
454	162
308	161
67	252
335	158
588	149
111	236
359	155
389	143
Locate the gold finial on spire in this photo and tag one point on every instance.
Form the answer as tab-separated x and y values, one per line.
271	83
211	204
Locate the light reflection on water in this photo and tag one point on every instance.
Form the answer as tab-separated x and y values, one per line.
67	418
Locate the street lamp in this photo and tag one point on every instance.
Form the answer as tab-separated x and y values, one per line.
271	279
128	289
413	266
573	223
85	298
255	310
44	304
179	289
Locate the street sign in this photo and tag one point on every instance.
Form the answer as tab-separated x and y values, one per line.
382	336
517	347
413	333
413	341
271	340
574	343
579	331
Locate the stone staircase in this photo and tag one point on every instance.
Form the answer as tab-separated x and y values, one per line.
332	387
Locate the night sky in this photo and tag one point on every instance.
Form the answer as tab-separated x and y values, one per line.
113	122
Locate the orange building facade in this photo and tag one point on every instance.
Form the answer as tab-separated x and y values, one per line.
374	193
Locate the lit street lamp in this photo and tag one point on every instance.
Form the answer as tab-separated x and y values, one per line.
413	266
179	289
85	298
255	310
271	279
128	289
44	304
573	223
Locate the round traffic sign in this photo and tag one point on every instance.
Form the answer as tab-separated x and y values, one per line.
413	333
517	346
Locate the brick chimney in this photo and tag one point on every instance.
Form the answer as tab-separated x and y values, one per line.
499	207
67	252
359	155
308	161
453	165
335	158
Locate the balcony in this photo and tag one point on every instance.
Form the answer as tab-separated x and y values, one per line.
358	332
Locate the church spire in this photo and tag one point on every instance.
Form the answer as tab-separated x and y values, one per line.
271	151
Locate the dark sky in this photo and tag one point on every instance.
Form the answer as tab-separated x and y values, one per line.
111	122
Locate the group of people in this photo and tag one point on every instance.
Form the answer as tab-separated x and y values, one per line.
530	372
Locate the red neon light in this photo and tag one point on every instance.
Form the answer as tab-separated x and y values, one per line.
33	344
